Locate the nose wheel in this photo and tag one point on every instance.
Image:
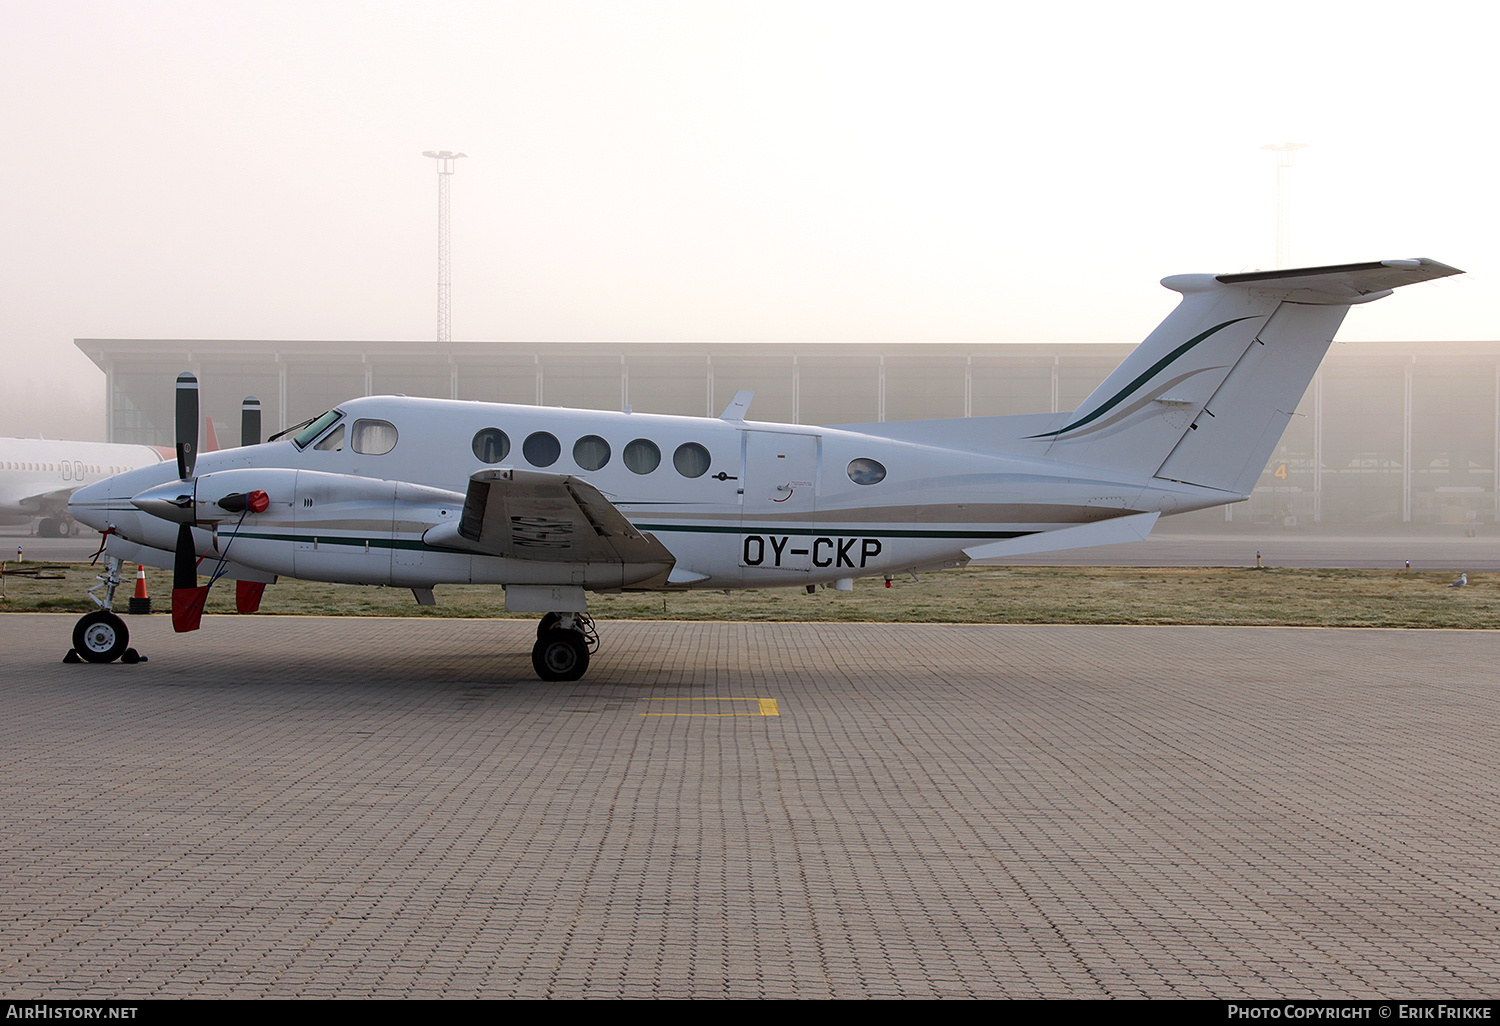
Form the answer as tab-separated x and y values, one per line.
100	637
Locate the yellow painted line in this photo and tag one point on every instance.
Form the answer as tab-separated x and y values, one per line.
767	707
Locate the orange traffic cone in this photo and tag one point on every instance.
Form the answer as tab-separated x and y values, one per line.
140	602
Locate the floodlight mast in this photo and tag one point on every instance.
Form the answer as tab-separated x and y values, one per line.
445	159
1283	153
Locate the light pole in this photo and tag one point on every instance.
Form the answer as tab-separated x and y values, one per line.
1283	153
445	161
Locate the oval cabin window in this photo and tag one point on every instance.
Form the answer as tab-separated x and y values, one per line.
642	456
541	449
866	472
691	459
591	452
491	445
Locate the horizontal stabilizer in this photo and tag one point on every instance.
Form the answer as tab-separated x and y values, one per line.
1102	532
1343	283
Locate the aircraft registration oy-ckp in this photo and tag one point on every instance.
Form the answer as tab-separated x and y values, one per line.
552	504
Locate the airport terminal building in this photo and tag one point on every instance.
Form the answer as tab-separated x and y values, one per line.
1388	432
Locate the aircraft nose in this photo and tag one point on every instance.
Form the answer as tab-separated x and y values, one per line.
90	505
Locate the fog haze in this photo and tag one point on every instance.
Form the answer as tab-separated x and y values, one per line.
713	170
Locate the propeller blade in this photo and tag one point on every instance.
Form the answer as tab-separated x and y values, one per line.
247	596
185	563
188	599
187	424
250	421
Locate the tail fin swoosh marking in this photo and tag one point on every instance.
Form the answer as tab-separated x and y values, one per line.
1145	399
1140	379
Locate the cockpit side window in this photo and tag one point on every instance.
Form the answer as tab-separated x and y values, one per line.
374	437
316	428
333	441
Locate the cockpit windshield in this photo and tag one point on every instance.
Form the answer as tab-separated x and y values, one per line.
311	429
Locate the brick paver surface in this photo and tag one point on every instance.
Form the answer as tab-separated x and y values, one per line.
308	807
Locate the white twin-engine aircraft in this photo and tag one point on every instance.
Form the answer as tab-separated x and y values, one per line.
552	503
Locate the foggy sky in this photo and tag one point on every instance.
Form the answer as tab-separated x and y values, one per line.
713	170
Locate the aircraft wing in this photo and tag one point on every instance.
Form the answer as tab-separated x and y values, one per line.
554	518
53	502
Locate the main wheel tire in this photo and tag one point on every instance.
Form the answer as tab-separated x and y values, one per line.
48	528
546	624
560	655
101	637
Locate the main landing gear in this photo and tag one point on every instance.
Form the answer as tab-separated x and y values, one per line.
564	642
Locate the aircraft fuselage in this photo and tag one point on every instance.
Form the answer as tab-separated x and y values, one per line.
738	504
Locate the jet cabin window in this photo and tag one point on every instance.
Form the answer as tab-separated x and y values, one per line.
374	437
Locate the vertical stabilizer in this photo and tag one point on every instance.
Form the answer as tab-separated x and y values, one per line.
1205	398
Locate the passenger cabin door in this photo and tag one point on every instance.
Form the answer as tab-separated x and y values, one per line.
781	496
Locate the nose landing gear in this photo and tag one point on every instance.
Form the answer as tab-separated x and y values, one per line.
101	636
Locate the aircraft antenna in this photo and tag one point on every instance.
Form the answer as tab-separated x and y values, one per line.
445	161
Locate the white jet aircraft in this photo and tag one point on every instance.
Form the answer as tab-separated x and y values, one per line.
37	476
555	503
